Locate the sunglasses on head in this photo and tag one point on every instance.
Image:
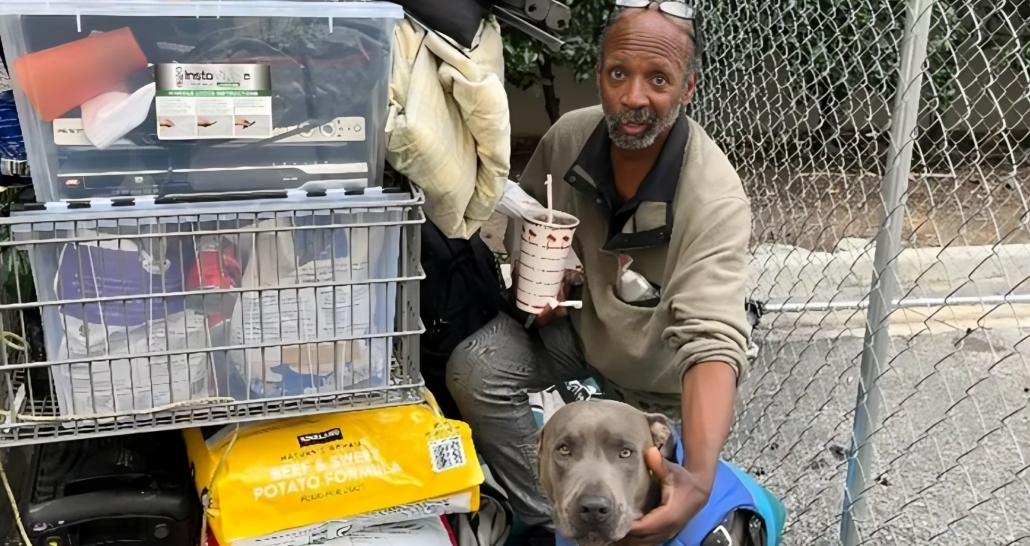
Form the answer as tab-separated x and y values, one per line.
675	8
671	7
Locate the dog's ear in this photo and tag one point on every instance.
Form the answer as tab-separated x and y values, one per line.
543	469
661	434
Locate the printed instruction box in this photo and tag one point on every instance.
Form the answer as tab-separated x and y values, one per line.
204	101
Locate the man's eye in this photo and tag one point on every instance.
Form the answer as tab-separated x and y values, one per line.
618	74
625	453
660	80
564	450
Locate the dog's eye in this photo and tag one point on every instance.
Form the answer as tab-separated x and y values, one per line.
625	453
564	450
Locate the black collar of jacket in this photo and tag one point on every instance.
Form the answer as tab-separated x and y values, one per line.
651	208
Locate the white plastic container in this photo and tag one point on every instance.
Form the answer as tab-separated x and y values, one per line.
305	317
212	96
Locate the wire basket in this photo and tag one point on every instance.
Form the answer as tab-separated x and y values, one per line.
184	315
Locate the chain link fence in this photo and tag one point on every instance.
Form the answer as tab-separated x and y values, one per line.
897	413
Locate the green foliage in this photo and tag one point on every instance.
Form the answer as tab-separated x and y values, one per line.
18	285
17	276
1006	25
835	46
841	46
947	33
525	58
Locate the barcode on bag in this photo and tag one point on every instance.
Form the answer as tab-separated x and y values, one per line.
447	453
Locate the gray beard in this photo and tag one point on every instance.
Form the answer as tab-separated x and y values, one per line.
643	115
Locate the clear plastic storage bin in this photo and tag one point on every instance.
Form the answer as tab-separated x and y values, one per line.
163	97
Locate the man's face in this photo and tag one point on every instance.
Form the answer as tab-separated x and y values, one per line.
641	77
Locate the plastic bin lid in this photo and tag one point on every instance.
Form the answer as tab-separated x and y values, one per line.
204	8
148	207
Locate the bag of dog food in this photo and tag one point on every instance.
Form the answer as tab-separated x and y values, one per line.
427	531
302	471
331	532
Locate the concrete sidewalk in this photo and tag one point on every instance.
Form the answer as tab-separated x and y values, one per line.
781	273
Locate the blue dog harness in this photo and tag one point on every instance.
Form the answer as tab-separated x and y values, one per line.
732	489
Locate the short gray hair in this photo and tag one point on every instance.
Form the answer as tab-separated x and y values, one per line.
691	64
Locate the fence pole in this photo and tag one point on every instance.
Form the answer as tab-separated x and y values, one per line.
893	187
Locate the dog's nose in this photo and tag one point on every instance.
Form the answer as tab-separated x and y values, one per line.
594	509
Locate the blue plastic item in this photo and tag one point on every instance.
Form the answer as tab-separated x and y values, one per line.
12	145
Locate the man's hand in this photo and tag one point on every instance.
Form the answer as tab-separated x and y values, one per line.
683	496
708	392
550	313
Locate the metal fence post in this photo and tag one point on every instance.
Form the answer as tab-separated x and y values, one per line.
893	187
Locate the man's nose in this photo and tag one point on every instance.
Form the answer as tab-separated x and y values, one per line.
635	97
594	509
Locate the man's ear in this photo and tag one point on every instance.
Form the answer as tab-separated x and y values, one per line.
689	88
661	434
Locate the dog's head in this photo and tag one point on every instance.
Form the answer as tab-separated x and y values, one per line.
591	461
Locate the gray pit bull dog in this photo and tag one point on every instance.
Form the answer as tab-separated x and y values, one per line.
592	469
591	461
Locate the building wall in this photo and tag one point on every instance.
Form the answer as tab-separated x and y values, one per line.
528	116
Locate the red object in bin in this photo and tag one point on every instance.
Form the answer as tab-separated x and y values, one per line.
61	78
217	267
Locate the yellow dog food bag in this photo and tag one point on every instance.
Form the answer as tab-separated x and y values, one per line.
300	471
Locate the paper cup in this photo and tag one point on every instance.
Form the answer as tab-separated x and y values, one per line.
542	254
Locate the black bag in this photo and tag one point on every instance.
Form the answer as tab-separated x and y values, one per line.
459	20
460	294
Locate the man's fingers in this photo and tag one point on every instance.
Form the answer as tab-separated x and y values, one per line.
676	507
565	288
648	521
640	541
661	470
542	318
647	529
547	313
656	463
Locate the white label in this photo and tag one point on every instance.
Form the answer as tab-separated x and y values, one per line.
69	132
447	454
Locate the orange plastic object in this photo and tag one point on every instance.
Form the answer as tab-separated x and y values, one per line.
61	78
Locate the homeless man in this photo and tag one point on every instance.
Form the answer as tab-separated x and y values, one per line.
645	181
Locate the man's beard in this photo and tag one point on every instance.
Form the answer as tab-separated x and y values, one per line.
643	115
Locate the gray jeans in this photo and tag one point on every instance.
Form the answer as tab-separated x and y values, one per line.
490	375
